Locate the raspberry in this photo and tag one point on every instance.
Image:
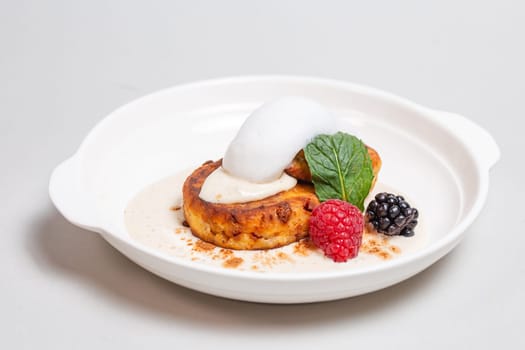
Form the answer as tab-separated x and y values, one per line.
337	228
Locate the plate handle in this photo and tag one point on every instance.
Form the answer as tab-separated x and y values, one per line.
484	147
67	196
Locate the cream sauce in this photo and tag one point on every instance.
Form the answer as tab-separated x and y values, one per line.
154	218
221	187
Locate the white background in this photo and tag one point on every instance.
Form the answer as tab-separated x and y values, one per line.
64	65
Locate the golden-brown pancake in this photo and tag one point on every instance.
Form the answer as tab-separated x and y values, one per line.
271	222
300	170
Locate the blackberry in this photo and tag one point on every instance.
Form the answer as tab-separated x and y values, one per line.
391	215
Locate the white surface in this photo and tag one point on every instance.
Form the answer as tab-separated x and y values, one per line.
63	66
135	146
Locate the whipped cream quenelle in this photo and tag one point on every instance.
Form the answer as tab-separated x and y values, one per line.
272	135
267	142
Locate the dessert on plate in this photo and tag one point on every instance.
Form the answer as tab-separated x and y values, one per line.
290	174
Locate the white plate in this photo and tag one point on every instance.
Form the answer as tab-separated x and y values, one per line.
438	159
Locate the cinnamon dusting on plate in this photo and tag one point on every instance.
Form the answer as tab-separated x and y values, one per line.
304	247
233	262
284	256
269	258
202	246
379	245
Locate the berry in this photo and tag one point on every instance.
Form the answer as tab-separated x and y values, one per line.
336	227
391	215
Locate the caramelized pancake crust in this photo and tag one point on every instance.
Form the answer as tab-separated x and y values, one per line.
300	170
271	222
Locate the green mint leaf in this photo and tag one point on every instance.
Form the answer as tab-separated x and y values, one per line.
341	168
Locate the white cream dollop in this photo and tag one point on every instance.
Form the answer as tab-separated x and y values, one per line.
267	142
221	187
272	135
